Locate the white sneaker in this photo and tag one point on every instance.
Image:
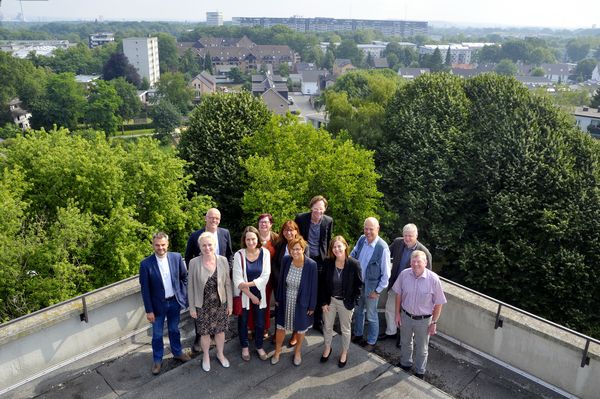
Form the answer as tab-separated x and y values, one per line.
206	365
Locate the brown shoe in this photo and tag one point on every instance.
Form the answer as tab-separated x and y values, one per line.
184	357
156	368
369	347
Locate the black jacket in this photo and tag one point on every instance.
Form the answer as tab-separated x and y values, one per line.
303	222
396	250
351	282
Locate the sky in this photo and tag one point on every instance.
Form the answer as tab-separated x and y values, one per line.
492	13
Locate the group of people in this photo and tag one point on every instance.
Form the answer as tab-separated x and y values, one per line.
313	279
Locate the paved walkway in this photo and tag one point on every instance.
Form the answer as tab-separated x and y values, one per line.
123	371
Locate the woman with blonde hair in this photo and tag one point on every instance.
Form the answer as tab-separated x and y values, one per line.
210	297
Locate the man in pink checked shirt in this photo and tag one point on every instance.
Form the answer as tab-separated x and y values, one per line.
419	303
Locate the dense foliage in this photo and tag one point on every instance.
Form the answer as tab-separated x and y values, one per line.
212	146
291	162
77	213
504	187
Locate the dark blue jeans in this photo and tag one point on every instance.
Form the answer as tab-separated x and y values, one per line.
172	316
259	326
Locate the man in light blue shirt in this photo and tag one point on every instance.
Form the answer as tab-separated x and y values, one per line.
374	256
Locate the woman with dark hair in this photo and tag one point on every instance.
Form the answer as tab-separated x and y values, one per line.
289	230
296	297
209	296
251	269
339	290
267	240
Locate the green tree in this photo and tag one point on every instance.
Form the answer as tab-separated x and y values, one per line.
118	66
506	67
537	71
173	87
577	49
131	104
78	213
165	117
348	49
167	52
236	75
500	182
583	70
212	146
290	161
283	69
189	64
103	104
61	104
491	53
356	104
208	63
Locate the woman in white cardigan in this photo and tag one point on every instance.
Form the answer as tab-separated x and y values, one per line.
251	270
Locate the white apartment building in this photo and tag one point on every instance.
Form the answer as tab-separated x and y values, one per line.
214	18
459	54
142	53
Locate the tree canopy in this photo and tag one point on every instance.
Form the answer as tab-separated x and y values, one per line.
212	146
290	162
78	213
504	186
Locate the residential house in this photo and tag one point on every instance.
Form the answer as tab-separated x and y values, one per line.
380	63
19	116
534	81
341	66
411	73
588	120
558	73
242	53
203	83
262	83
464	72
275	101
313	82
100	39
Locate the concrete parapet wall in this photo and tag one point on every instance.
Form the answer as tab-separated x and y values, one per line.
56	336
539	349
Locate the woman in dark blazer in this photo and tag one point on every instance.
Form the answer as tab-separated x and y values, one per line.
339	290
296	297
289	230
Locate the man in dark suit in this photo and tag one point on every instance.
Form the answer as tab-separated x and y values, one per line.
223	239
401	250
213	219
163	281
316	228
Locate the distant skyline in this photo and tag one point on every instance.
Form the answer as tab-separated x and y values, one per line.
494	13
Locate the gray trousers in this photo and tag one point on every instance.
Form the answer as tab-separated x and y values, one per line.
337	307
390	313
414	331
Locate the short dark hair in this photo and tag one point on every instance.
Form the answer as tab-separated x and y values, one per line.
265	215
297	240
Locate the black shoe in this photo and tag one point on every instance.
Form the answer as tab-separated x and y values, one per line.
369	347
326	358
421	376
405	368
398	341
383	337
342	364
356	339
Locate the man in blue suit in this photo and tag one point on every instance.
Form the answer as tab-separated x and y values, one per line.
163	281
223	239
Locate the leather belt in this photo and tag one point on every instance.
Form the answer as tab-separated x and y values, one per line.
425	316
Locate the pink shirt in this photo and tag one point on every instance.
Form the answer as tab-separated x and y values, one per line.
419	294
